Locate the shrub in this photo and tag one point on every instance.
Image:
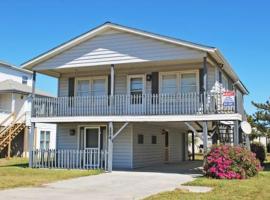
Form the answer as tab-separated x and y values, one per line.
259	150
228	162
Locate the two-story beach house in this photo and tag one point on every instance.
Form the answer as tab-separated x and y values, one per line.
15	110
128	98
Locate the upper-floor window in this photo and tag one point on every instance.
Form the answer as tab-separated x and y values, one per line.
179	82
45	139
24	79
91	87
225	81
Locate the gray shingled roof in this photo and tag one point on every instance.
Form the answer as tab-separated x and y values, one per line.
14	86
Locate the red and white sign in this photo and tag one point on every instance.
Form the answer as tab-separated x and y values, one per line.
228	98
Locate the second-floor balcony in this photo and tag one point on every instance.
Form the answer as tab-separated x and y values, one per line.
121	105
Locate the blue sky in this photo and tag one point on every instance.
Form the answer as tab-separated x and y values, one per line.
240	29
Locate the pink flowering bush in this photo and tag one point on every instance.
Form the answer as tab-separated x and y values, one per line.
228	162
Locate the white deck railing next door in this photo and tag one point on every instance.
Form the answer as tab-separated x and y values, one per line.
146	104
91	158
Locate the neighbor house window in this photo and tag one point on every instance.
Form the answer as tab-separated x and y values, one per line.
154	139
45	139
83	88
98	87
24	79
140	139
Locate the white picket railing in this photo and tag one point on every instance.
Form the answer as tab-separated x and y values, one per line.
70	159
146	104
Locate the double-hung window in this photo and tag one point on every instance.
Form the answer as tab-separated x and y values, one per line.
45	139
91	87
179	82
136	90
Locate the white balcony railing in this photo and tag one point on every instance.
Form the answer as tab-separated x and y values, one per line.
147	104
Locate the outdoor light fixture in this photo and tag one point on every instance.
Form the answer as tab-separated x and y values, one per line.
72	132
149	77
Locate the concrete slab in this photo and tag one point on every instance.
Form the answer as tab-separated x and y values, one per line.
116	185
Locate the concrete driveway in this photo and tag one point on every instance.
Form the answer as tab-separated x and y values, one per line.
116	185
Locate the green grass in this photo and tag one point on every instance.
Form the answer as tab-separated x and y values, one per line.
254	188
15	173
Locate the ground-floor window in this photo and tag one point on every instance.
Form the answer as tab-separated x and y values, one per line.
45	139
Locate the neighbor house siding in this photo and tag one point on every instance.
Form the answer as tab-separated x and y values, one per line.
118	47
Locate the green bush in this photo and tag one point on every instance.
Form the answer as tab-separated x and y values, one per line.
259	150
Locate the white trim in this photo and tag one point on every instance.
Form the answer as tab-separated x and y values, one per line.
142	118
178	79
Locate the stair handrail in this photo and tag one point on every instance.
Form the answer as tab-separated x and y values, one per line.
12	123
7	118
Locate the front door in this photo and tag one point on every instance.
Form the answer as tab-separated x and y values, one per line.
92	146
136	91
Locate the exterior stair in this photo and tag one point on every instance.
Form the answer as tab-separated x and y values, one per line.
9	132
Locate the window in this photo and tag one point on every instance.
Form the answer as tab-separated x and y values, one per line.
140	139
225	82
24	79
169	85
154	139
99	87
136	90
179	82
188	82
83	88
91	87
45	139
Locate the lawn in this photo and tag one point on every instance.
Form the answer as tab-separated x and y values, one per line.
15	173
254	188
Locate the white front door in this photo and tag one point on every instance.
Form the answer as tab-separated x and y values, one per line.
92	146
136	91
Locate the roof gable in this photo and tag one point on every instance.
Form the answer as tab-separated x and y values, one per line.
103	29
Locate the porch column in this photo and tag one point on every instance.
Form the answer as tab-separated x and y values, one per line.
112	89
32	131
205	137
205	82
110	147
236	133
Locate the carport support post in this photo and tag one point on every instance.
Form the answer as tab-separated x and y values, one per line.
236	133
32	131
193	145
205	137
110	147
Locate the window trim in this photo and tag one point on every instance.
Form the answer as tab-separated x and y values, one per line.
91	80
178	79
44	138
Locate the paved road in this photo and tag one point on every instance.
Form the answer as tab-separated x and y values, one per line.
116	185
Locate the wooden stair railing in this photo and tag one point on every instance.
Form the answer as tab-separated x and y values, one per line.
11	131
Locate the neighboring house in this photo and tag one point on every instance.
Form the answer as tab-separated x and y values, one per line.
15	109
129	98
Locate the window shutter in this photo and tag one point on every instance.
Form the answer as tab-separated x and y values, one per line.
201	80
155	86
71	85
